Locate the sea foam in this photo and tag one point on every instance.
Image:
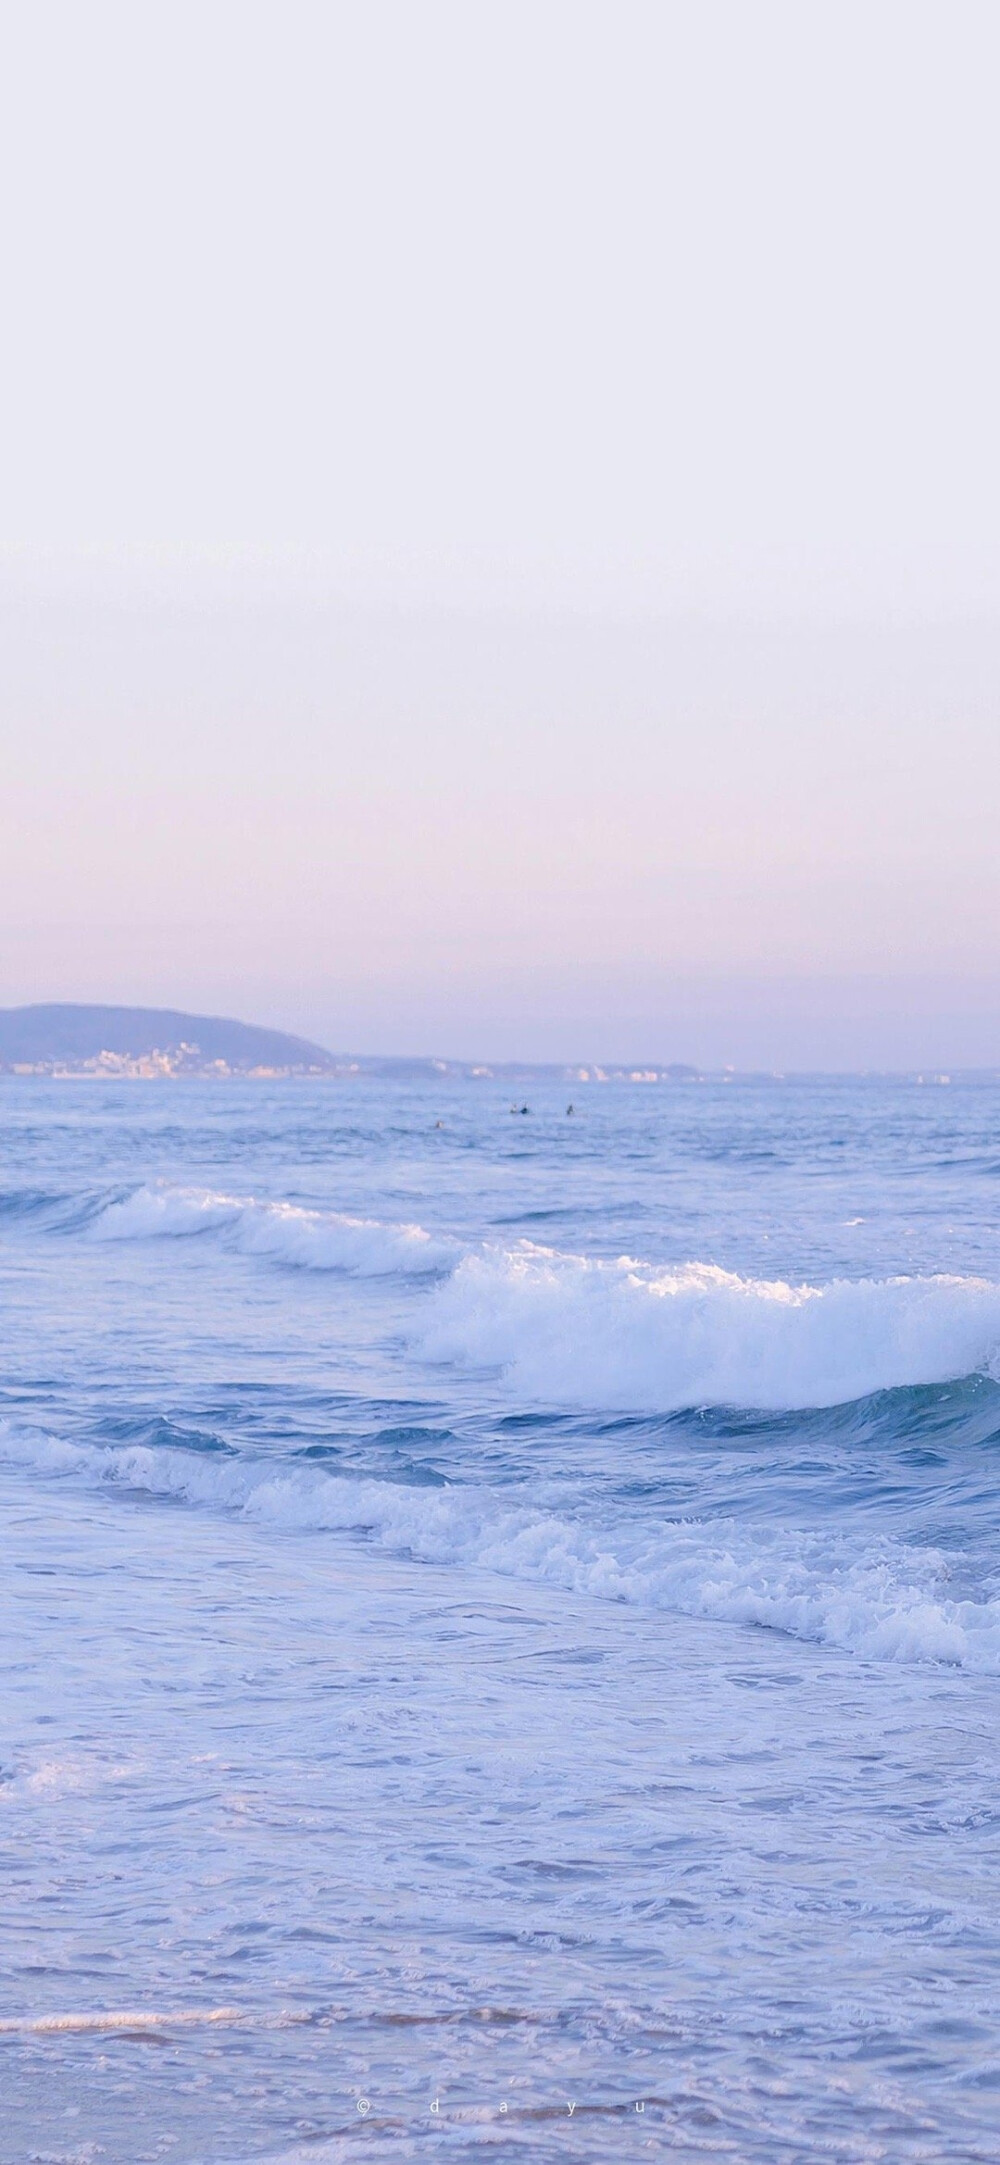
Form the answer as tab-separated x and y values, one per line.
879	1598
284	1232
567	1331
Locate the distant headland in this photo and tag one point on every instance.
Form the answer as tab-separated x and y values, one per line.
66	1041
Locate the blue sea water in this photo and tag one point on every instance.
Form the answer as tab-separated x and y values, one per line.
501	1622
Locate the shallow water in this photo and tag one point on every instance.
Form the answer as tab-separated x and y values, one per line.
454	1671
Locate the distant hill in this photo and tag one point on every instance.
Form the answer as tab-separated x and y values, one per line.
148	1040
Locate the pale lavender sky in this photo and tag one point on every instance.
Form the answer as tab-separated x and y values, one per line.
499	523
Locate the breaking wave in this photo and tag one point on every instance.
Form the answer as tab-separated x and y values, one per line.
618	1335
627	1336
883	1599
284	1232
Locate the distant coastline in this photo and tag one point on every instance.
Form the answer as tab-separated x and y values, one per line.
66	1042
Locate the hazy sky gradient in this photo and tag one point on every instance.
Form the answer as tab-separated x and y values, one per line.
499	524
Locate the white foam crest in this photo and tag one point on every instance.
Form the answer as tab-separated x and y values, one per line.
884	1601
365	1246
116	2019
285	1232
150	1213
568	1331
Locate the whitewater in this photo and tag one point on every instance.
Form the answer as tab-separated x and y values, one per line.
501	1615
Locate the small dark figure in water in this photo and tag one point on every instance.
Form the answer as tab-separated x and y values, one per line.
520	1108
569	1109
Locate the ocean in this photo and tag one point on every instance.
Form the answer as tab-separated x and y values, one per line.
501	1621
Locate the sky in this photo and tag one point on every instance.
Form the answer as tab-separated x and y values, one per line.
499	518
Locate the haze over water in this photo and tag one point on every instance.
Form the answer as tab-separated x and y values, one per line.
499	537
458	1672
